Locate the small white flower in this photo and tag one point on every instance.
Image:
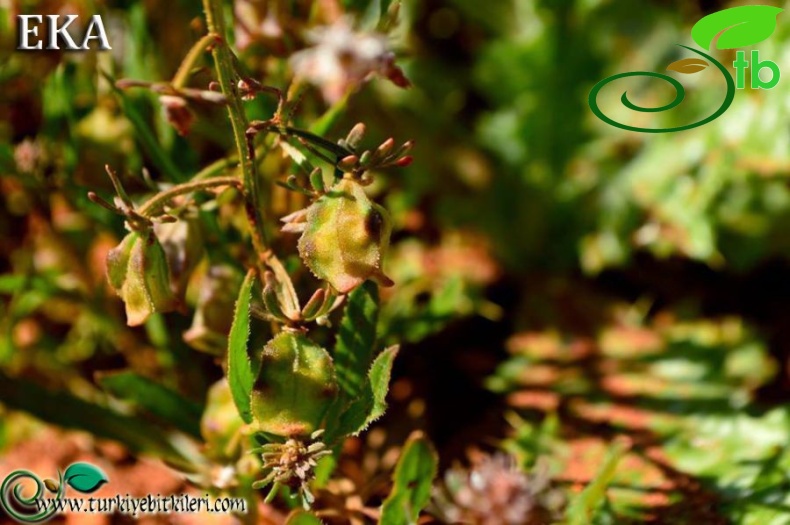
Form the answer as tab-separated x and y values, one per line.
341	60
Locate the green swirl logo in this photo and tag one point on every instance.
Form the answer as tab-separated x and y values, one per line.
727	29
36	508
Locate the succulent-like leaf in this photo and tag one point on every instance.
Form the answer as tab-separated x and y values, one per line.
688	65
736	27
84	477
241	373
412	482
295	386
346	237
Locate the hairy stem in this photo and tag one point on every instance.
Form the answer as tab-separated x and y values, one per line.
155	203
182	75
223	61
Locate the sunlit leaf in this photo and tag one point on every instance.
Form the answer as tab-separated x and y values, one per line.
241	373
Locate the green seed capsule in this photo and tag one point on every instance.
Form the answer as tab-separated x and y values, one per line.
346	237
295	386
138	271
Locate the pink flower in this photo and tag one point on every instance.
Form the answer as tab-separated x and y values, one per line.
341	60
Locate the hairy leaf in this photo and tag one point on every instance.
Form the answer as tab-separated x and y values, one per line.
356	339
371	403
241	369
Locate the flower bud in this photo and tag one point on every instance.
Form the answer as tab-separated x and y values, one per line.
137	270
355	136
295	386
346	237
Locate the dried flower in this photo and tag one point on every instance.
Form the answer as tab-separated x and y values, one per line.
178	113
292	464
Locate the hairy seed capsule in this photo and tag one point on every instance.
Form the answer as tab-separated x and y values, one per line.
346	237
295	386
137	270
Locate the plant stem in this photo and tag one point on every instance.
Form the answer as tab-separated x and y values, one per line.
182	75
223	61
155	203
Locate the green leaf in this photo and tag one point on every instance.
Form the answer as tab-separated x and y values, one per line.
302	517
371	403
166	404
583	507
145	135
379	377
63	409
85	477
736	27
412	482
241	372
356	339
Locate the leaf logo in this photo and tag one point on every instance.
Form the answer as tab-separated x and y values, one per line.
688	66
736	27
85	477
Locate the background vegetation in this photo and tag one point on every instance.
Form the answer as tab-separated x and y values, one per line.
591	320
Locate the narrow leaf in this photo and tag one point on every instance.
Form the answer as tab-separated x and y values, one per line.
583	507
284	289
164	403
688	65
736	27
412	482
63	409
84	477
241	374
379	378
145	135
356	339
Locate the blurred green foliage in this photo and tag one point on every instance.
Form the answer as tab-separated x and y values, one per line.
515	185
